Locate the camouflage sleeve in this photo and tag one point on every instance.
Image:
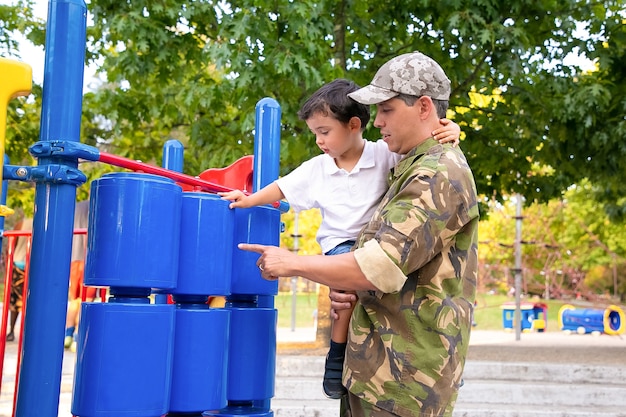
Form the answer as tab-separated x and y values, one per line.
418	221
378	268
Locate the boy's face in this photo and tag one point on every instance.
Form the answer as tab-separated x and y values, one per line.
333	137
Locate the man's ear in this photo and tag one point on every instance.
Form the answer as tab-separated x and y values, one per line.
426	107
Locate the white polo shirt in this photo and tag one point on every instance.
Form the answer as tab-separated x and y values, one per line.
346	200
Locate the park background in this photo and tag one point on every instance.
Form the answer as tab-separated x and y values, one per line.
539	90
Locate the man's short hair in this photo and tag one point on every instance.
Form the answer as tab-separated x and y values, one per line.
441	106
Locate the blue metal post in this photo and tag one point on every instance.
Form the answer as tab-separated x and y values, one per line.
173	160
173	155
46	303
3	197
266	166
266	143
266	154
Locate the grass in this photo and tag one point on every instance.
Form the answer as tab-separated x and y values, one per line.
488	314
305	308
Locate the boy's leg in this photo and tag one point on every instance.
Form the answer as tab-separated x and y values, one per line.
333	370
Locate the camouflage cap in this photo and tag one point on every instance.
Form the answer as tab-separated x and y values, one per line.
414	74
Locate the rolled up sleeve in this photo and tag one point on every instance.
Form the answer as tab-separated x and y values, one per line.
378	268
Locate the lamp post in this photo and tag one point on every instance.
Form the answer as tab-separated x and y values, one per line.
294	280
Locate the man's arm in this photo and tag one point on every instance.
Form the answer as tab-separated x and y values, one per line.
341	272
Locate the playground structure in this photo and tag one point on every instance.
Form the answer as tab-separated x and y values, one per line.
610	321
534	316
155	232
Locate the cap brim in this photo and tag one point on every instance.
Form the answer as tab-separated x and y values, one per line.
372	95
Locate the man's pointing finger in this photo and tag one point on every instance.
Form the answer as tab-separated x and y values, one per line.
252	247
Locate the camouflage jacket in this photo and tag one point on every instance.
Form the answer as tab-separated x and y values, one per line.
406	350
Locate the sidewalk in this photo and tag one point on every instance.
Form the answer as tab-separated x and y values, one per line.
283	335
593	350
297	335
492	338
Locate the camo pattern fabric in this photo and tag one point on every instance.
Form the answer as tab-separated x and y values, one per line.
414	74
406	350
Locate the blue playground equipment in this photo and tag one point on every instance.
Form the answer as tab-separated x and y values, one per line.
534	316
151	235
609	321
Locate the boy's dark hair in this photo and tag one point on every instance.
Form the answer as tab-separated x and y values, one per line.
332	100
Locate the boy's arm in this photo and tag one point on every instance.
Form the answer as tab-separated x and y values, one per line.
449	132
266	195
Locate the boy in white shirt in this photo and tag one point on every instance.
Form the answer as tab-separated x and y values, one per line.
346	183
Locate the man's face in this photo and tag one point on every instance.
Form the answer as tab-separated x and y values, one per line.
398	124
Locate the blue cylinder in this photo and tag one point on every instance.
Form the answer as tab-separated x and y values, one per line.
134	231
253	225
591	320
200	359
267	130
252	360
206	241
239	411
124	360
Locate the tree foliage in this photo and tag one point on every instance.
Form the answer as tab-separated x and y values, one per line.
566	245
533	121
194	71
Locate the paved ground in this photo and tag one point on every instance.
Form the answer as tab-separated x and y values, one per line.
501	346
555	347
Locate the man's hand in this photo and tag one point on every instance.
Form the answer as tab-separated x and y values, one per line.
340	300
274	262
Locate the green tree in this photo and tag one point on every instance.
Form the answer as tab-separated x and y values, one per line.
567	245
196	69
18	21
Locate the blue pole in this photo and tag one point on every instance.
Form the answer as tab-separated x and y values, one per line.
265	171
46	302
173	160
173	155
266	143
3	197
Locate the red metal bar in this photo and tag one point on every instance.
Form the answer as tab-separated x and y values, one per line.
196	182
8	279
23	313
12	236
151	169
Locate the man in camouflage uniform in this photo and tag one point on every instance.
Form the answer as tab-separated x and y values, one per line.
415	263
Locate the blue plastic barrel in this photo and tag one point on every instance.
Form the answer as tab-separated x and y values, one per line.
206	242
252	354
253	225
200	360
134	231
124	360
